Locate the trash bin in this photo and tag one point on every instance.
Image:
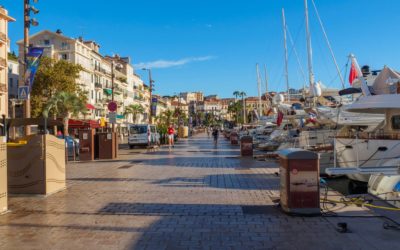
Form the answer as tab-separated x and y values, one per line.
234	137
246	146
299	184
106	145
86	145
183	132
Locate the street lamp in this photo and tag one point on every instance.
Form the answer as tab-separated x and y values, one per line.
151	85
28	22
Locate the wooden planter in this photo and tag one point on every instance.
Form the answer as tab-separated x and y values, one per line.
37	167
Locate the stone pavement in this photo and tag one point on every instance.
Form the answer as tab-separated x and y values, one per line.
194	197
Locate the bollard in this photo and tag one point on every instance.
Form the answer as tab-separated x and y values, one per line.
234	137
299	173
246	146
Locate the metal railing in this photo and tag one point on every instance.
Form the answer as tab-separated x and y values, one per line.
378	135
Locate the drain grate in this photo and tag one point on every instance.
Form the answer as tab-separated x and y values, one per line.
260	209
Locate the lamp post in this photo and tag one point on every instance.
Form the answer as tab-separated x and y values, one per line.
27	24
112	90
151	90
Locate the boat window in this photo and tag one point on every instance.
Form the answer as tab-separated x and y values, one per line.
138	129
396	122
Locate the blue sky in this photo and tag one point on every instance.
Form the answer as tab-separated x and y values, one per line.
213	45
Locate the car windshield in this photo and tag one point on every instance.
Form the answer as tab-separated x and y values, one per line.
138	129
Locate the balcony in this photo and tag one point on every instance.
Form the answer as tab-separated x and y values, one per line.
3	63
118	90
98	86
3	37
3	88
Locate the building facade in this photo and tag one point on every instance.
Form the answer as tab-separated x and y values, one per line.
4	67
96	78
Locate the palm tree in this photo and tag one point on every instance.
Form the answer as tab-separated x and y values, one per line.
236	94
242	94
64	105
134	110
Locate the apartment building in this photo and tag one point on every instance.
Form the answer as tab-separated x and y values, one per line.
4	49
253	104
96	77
192	96
13	76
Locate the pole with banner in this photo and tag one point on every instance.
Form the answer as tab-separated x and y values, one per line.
32	60
154	102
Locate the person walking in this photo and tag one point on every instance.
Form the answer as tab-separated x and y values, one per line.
208	131
215	135
171	133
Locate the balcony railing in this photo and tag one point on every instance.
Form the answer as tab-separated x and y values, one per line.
3	88
3	37
98	85
3	63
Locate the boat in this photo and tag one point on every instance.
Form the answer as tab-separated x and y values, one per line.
363	146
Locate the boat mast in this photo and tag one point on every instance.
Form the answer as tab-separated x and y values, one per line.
309	49
286	54
266	78
259	89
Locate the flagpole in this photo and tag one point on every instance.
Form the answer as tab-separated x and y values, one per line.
286	55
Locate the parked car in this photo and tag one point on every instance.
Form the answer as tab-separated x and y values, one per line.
143	135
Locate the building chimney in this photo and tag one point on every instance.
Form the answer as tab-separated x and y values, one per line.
58	31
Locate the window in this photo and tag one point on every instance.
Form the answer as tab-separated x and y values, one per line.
396	122
11	82
46	42
138	129
64	56
64	45
91	93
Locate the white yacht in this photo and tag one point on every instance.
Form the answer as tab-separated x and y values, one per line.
363	146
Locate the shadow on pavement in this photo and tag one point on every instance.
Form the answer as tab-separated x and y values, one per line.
226	181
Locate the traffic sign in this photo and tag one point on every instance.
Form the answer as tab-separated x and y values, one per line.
23	92
112	106
112	117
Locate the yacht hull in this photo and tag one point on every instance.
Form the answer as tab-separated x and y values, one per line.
369	152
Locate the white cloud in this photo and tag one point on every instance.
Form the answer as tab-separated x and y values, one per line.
162	64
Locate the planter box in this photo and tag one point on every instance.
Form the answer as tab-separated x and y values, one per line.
3	177
37	167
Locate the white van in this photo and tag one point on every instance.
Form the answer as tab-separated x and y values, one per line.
143	135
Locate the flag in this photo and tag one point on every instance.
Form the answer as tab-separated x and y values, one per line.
279	118
32	63
353	73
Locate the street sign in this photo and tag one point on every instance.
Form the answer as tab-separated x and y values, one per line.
23	92
112	106
112	117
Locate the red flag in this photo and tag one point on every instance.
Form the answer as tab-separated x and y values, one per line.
353	74
279	118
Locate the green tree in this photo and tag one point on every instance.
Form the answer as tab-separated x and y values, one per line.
236	94
64	105
243	94
134	110
235	108
52	77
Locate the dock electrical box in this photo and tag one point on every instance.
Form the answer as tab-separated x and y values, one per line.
299	184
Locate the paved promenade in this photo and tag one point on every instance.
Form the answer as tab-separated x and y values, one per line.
194	197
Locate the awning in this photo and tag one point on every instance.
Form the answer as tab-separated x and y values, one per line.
90	106
108	91
120	116
81	124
